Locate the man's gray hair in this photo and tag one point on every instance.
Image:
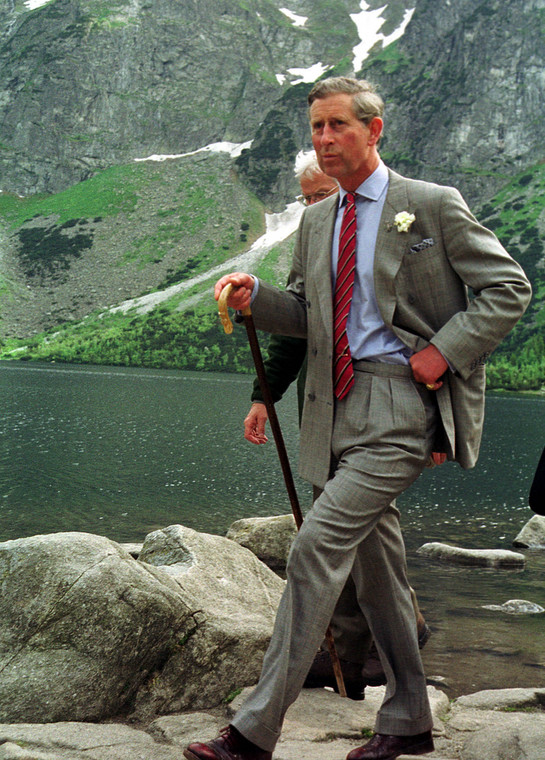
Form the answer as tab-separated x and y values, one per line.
366	102
306	165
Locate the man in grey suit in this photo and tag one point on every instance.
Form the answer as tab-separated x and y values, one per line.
413	384
286	361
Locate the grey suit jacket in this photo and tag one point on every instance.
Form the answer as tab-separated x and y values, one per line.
422	294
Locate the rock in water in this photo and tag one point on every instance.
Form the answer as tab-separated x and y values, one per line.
473	557
516	607
532	536
269	538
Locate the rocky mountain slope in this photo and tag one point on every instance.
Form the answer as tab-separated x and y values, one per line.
93	83
89	86
464	92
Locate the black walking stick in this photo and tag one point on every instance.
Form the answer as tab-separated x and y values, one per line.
279	441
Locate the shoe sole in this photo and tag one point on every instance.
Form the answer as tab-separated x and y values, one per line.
415	751
192	756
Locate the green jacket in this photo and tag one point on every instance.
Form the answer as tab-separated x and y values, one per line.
286	361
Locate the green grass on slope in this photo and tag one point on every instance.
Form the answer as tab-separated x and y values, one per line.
151	224
108	193
192	340
517	215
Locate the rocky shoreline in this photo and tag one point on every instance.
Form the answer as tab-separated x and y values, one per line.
503	724
110	652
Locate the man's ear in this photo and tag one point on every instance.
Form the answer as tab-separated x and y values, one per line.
375	130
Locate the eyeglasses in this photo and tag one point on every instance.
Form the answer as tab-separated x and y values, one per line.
308	200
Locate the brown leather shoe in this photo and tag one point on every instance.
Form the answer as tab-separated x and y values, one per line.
321	674
385	747
230	745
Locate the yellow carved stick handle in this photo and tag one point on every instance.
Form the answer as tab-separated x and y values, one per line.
222	309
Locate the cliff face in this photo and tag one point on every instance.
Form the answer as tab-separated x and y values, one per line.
87	84
124	232
465	92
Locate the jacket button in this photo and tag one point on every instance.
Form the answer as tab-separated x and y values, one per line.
311	397
410	298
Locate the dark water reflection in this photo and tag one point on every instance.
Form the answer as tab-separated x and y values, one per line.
120	452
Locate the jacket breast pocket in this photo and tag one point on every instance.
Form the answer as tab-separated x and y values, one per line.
419	267
422	245
423	284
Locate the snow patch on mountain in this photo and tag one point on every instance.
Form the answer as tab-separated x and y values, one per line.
277	228
31	5
308	75
297	20
234	150
369	23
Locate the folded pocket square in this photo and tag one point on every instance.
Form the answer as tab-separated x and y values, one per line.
427	243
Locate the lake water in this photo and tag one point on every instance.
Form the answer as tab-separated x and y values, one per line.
121	451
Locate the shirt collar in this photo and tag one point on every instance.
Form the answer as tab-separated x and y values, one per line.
372	187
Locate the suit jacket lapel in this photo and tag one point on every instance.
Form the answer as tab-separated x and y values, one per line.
390	247
321	240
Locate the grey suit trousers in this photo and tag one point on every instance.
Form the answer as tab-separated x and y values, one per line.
382	438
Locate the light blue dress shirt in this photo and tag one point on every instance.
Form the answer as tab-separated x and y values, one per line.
368	336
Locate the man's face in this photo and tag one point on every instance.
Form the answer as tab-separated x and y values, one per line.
346	147
317	187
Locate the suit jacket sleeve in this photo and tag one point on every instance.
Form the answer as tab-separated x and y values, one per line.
499	288
282	365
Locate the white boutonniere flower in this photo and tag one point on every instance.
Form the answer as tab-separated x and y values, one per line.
403	221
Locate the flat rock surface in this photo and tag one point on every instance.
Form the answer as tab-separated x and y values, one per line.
500	724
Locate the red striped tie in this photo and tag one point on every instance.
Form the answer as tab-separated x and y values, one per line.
343	372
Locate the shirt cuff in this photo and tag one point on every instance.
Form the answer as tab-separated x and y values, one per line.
255	289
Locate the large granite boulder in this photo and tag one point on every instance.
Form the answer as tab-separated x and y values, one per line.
269	538
82	627
87	632
234	597
532	535
500	558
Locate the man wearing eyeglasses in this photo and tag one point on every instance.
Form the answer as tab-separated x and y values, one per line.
286	356
315	185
